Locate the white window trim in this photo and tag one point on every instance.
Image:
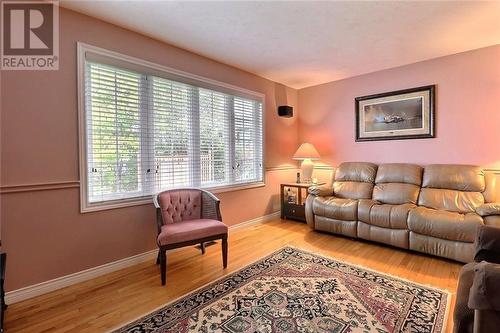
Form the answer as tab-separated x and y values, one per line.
158	70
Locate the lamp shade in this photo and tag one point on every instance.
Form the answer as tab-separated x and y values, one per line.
306	151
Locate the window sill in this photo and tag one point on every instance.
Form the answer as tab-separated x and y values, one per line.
123	203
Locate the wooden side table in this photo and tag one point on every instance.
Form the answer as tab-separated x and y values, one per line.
294	210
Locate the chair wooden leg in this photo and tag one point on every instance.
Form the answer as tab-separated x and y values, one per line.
202	246
158	257
163	267
224	252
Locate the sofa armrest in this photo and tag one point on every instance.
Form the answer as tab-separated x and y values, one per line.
309	211
320	191
487	209
487	244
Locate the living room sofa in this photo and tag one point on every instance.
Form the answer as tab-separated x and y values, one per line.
434	209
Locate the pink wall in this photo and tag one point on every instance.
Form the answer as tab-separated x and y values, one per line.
467	112
43	232
46	237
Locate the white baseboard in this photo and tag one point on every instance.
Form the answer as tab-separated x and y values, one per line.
68	280
38	289
261	219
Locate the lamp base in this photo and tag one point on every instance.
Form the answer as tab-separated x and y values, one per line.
307	167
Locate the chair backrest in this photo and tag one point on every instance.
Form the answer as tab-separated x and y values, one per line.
179	205
456	188
397	183
354	180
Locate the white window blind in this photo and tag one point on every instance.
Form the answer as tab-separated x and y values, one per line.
146	133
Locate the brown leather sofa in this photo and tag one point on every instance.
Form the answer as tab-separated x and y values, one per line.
434	209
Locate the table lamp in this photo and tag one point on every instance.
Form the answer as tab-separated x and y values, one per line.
306	153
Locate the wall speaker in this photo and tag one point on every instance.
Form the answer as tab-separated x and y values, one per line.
285	111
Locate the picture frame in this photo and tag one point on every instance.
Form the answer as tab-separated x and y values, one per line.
396	115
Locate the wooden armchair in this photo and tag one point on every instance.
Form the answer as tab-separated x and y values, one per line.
187	217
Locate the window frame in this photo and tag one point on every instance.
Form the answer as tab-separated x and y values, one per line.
117	59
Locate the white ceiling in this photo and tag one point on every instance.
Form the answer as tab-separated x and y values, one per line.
305	43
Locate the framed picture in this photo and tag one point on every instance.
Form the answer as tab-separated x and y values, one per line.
402	114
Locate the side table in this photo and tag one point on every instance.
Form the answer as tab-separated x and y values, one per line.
293	205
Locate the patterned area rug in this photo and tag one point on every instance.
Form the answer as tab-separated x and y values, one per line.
296	291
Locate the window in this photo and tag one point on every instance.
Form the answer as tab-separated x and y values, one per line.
147	130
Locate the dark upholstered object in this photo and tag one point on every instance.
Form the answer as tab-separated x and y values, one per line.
484	293
186	217
463	316
477	307
487	246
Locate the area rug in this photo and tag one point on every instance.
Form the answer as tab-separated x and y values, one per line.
293	290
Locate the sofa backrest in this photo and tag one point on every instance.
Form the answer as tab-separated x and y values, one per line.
354	180
397	183
456	188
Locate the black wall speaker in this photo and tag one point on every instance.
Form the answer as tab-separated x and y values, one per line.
285	111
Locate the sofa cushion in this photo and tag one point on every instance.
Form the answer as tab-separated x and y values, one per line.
356	172
352	190
173	233
399	173
394	237
354	180
396	193
451	200
336	208
443	224
455	250
383	215
454	177
341	227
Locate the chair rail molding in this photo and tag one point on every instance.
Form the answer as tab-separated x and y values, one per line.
45	186
66	184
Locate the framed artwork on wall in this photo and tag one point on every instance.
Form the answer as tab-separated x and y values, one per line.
396	115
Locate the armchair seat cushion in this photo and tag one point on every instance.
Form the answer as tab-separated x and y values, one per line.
336	208
179	232
444	224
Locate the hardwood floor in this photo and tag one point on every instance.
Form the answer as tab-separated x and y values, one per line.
114	299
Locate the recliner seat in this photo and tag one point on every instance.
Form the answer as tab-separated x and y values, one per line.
448	201
384	217
338	212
